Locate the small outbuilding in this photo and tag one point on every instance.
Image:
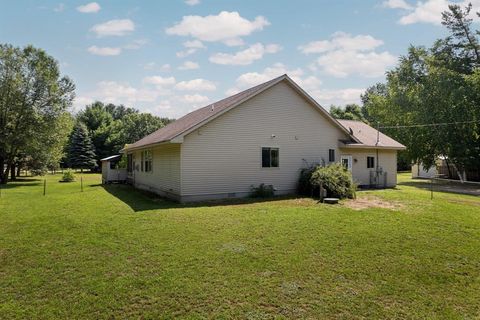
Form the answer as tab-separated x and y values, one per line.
110	171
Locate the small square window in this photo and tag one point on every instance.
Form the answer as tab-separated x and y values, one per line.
370	162
270	158
331	155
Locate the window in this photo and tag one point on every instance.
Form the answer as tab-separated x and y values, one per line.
147	160
370	162
331	155
270	157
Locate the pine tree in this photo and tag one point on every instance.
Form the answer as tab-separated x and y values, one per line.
81	154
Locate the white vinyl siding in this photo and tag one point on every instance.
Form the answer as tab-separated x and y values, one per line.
387	161
224	156
164	177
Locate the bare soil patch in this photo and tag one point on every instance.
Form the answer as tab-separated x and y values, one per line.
372	202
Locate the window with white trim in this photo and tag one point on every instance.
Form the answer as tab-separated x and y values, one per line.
270	157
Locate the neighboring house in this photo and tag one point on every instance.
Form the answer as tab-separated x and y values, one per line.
265	134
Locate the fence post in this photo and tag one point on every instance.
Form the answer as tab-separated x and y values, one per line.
81	183
44	186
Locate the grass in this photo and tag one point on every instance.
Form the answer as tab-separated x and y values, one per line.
115	253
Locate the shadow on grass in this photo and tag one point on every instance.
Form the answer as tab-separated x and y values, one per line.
140	200
443	186
21	182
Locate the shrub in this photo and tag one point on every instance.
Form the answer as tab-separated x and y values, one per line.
305	186
68	176
262	191
336	180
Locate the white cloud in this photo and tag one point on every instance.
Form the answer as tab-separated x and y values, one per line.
185	53
116	92
226	27
342	41
196	44
344	55
104	51
191	47
59	8
189	65
195	99
165	67
196	85
397	4
327	97
192	2
118	27
160	81
245	57
429	11
251	79
136	44
341	64
91	7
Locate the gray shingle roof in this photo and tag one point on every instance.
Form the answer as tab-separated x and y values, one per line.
368	136
196	117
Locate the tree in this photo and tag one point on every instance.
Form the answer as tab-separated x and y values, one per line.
439	85
350	112
81	154
33	96
133	127
111	126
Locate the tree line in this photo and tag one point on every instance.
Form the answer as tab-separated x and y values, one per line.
37	129
430	101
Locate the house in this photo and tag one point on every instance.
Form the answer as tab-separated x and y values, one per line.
264	134
111	172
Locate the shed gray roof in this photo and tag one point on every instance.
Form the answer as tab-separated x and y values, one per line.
367	136
111	157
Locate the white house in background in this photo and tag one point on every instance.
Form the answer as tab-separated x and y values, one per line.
264	134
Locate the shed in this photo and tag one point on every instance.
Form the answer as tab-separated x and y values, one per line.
110	172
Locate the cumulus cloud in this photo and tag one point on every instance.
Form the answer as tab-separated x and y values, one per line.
91	7
189	65
104	51
226	27
429	11
191	47
342	41
343	55
244	57
192	2
59	8
397	4
195	99
119	27
196	85
160	81
251	79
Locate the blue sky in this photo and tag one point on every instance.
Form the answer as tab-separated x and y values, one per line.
170	57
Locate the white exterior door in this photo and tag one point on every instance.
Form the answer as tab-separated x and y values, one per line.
346	162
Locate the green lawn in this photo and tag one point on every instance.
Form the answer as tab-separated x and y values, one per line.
115	253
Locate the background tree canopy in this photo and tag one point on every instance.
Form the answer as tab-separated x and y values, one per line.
431	99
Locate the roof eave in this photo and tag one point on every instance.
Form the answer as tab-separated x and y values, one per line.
366	146
151	145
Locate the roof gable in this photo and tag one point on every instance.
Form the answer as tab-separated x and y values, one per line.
197	118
